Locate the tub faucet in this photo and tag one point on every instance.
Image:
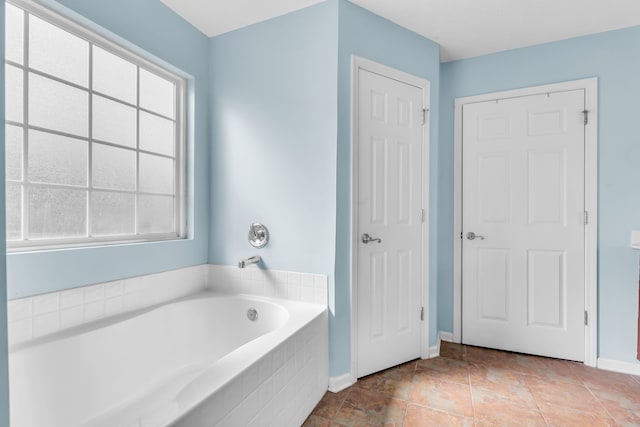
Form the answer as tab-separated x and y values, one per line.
251	260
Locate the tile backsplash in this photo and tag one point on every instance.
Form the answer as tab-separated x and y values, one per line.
33	317
305	287
40	315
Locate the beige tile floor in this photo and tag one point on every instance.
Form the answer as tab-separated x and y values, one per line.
469	386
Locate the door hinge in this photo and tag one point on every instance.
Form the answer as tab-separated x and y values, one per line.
424	115
422	215
421	313
461	235
586	116
586	318
586	217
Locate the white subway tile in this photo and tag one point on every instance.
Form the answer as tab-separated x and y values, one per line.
245	274
278	380
257	288
46	303
257	275
135	301
20	330
19	309
265	367
281	290
266	391
71	316
278	357
294	291
294	278
114	306
307	279
71	298
250	379
269	290
93	293
93	311
114	289
280	276
308	293
233	394
250	407
46	323
255	422
131	285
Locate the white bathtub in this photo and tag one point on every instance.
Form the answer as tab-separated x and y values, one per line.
198	361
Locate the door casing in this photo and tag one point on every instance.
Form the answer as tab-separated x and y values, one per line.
590	87
358	63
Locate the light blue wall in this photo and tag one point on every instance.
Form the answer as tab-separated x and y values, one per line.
154	28
280	128
273	122
4	372
613	57
273	156
367	35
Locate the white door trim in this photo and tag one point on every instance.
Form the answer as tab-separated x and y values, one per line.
591	203
359	63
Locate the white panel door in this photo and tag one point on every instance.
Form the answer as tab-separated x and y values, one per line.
523	197
389	212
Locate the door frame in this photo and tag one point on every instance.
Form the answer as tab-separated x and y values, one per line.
590	86
358	63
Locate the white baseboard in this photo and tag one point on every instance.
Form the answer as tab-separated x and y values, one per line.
445	336
434	351
337	384
619	366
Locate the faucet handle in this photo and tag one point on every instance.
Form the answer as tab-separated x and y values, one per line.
258	235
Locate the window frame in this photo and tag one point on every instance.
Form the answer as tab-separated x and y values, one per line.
141	60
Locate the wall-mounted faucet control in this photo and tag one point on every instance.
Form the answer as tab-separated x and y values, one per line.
258	235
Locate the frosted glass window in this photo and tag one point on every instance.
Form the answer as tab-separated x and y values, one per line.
93	136
114	122
156	134
57	106
57	212
55	51
14	34
14	211
113	168
114	76
55	159
13	152
157	94
155	214
14	103
112	213
156	174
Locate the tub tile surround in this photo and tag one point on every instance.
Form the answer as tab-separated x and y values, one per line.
40	315
280	388
295	286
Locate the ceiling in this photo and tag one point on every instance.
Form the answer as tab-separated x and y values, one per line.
463	28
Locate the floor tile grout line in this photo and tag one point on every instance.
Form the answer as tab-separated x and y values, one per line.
602	404
535	400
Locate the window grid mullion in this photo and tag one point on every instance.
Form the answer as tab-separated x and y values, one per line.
90	145
25	130
136	209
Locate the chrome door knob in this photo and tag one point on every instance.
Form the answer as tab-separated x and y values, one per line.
472	236
366	239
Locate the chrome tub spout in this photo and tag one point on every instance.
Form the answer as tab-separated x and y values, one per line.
251	260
